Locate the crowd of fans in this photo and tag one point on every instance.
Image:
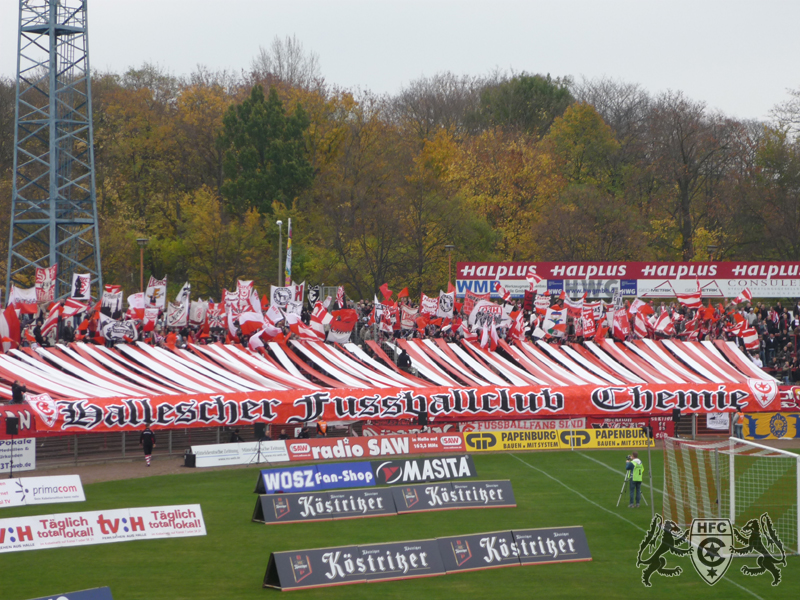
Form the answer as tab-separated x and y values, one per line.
776	326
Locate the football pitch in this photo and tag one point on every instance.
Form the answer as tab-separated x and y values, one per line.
551	488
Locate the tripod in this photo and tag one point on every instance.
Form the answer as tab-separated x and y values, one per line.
622	491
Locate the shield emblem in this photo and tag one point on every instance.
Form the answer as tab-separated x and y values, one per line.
763	391
461	551
45	407
711	540
281	506
410	497
301	567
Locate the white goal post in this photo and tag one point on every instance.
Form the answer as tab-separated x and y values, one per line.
734	479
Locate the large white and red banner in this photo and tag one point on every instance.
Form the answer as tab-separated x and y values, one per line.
440	403
323	448
643	279
88	528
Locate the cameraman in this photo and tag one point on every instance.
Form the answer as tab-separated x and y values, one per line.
636	467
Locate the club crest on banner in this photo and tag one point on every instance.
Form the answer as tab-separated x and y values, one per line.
280	296
764	391
45	407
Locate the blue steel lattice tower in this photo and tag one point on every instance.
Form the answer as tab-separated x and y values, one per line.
54	206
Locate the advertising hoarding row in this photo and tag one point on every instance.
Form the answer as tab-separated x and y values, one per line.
566	439
379	502
321	567
100	527
327	476
21	451
642	279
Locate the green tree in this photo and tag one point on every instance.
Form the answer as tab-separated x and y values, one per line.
265	153
524	104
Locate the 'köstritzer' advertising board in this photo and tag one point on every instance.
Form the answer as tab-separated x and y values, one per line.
453	495
421	470
103	593
315	477
323	567
479	551
424	558
324	506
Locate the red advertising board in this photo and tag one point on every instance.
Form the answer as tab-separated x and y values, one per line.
628	270
323	448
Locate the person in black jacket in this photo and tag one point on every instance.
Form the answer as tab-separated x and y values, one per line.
147	440
18	392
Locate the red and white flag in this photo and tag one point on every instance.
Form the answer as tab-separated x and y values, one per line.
340	297
319	318
622	325
23	299
665	325
533	280
503	292
745	296
640	328
150	318
587	318
750	338
574	307
692	299
542	303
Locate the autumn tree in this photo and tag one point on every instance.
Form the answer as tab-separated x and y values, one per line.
523	104
686	153
265	155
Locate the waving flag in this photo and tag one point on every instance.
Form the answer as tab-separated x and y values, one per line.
665	325
690	300
745	296
503	292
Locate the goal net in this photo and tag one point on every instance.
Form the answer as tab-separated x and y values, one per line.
732	479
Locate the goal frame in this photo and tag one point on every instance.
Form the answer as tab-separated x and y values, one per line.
732	441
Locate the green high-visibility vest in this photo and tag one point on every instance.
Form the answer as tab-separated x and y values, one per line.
638	470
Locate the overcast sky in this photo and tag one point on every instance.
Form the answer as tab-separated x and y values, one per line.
737	56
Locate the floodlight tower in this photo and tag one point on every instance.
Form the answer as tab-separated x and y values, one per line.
53	204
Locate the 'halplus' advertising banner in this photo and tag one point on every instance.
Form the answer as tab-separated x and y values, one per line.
643	279
100	527
440	403
41	490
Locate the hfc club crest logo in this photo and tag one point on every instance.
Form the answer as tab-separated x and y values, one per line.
711	541
711	545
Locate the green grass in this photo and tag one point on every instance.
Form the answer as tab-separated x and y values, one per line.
231	560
